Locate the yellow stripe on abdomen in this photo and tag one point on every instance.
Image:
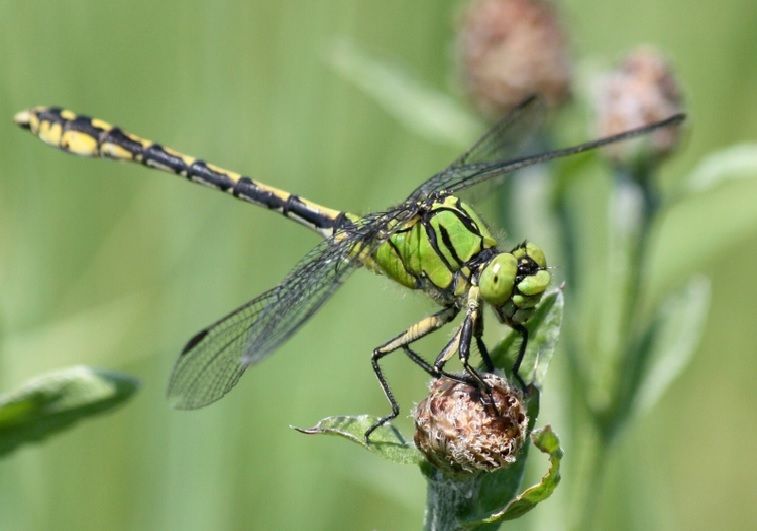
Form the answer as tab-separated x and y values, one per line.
91	137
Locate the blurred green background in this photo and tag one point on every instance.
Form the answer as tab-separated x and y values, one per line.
114	266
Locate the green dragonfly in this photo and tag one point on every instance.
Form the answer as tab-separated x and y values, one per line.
432	242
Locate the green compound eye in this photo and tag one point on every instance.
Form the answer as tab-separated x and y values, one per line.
536	254
535	284
498	279
531	251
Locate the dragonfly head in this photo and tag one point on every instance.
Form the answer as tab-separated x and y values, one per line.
514	282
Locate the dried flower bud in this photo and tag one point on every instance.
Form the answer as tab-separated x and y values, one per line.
460	430
640	91
511	49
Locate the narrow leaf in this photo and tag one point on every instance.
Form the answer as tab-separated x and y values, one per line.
679	324
546	441
420	108
543	332
55	401
386	441
730	164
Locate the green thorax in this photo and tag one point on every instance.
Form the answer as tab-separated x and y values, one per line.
432	249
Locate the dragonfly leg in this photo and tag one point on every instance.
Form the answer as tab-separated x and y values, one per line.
445	355
377	355
418	360
466	335
478	333
430	369
472	326
523	331
413	333
461	341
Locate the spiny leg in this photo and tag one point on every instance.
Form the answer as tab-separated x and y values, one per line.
523	331
473	326
377	355
446	354
461	343
478	333
430	369
413	333
466	335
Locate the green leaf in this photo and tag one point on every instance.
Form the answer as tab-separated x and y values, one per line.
386	441
55	401
703	197
730	164
546	441
419	108
678	328
543	332
704	227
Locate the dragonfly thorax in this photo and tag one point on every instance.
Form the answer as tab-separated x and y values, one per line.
436	249
446	248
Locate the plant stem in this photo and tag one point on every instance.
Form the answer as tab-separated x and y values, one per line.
631	365
638	257
589	478
607	422
447	500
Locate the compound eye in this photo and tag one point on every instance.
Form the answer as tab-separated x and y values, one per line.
497	279
536	254
535	284
530	252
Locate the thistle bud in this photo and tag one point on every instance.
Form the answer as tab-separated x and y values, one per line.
459	428
641	90
511	49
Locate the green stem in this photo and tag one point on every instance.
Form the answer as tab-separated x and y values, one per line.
589	479
630	366
606	423
568	236
638	260
447	500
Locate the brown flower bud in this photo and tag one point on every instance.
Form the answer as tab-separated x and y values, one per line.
459	429
511	49
640	91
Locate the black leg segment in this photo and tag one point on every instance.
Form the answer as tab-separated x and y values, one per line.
412	334
523	331
377	355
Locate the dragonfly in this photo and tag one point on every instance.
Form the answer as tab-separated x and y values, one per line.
432	242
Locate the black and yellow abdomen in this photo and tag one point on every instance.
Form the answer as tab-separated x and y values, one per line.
434	246
92	137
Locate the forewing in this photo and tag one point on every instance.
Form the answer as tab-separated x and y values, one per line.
214	360
505	140
457	178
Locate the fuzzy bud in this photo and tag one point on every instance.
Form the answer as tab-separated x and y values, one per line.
511	49
459	430
641	90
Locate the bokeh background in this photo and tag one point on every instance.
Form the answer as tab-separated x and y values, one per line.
116	267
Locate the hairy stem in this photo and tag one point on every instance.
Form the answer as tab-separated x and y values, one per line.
447	500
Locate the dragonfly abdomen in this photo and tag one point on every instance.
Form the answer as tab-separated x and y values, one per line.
92	137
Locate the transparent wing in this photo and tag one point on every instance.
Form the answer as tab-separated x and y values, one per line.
509	135
456	178
214	359
505	140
